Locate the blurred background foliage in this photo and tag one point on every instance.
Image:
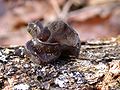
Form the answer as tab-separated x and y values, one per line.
92	19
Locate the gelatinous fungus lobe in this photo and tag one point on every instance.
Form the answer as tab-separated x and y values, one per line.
36	30
42	52
66	36
50	42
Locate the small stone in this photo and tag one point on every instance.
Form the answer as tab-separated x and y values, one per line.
78	77
7	51
26	66
3	58
61	81
21	86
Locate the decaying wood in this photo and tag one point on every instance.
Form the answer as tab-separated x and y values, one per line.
100	52
98	67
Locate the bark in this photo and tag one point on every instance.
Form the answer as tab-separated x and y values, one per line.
98	67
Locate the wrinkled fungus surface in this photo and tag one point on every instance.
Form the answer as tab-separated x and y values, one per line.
52	41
